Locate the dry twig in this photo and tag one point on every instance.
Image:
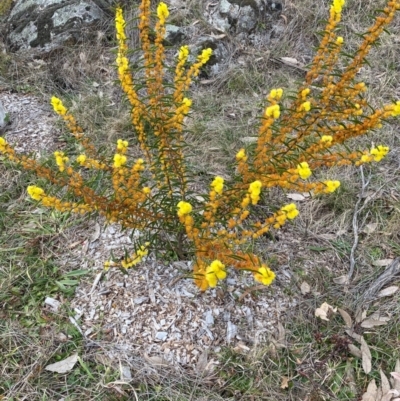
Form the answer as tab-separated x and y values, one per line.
357	211
392	270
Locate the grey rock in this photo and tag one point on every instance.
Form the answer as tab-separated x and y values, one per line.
3	118
174	34
247	20
242	16
236	16
46	25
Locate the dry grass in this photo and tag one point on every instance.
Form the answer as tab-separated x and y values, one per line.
314	250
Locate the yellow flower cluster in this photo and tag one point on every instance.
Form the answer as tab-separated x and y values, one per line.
306	106
61	159
304	171
162	12
276	94
286	212
396	109
327	140
3	144
183	53
254	191
122	146
184	208
273	111
216	271
38	194
241	155
84	161
337	6
375	154
332	186
119	160
218	185
35	192
264	275
204	56
137	257
58	106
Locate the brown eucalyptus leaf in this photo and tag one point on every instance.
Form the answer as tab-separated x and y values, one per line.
63	366
296	197
354	335
96	234
384	383
369	323
343	280
382	262
370	228
371	393
396	376
366	356
346	317
285	382
360	316
388	291
355	351
305	288
324	311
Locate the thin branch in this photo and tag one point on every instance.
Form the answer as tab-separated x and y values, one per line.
357	211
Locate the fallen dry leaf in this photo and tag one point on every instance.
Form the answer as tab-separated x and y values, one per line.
370	228
371	393
384	383
63	366
281	333
305	288
369	323
249	139
341	280
296	197
355	351
346	317
324	310
366	356
290	61
382	262
285	382
360	316
387	292
395	375
354	335
96	234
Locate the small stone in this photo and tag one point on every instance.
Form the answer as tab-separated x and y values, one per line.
231	332
209	318
161	335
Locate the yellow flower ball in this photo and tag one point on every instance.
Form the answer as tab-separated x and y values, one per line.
184	208
264	275
332	186
290	211
119	160
304	170
218	185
